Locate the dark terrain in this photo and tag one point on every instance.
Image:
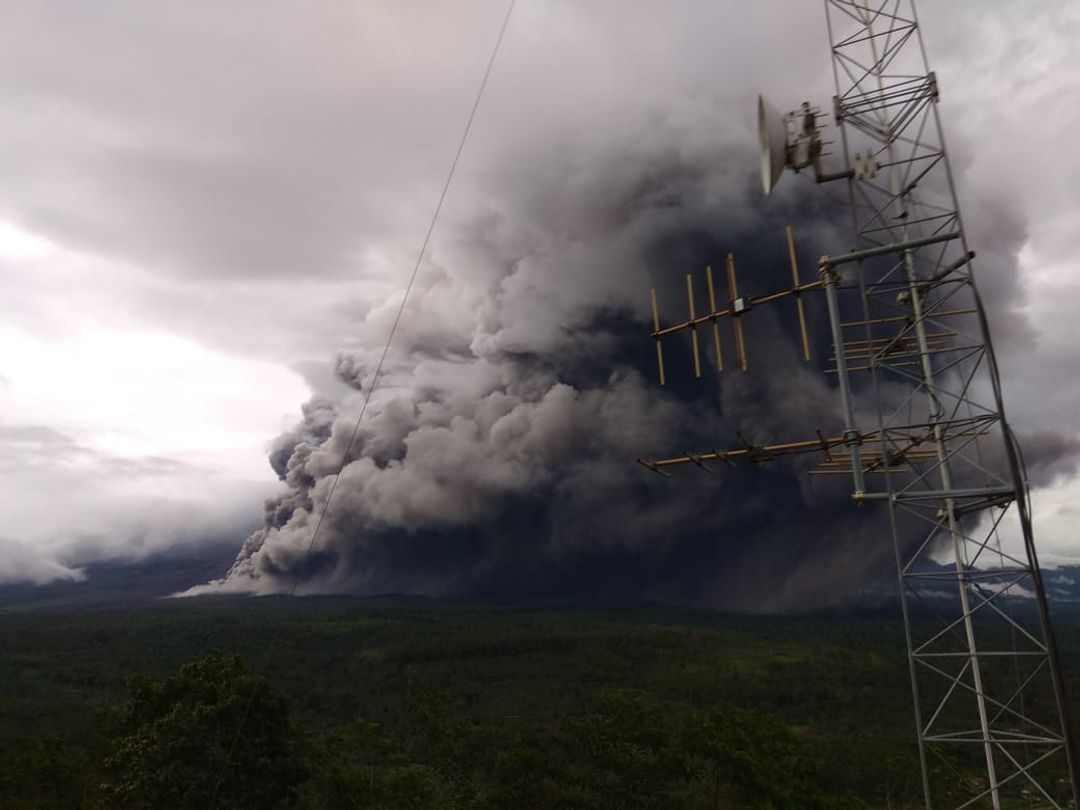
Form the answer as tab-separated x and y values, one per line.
391	702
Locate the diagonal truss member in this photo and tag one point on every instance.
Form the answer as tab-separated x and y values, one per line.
910	339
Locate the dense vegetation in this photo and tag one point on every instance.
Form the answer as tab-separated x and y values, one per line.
417	704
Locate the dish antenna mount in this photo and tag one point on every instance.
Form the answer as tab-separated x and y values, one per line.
793	141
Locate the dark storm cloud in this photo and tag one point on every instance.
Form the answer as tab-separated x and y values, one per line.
1049	455
229	160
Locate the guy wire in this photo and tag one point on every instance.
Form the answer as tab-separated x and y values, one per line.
378	367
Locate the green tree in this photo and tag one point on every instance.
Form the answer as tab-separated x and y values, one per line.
41	773
212	733
444	737
359	766
753	760
615	755
748	757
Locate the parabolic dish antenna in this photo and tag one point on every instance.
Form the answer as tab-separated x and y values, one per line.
772	143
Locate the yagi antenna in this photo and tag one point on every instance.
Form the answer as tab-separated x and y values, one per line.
737	307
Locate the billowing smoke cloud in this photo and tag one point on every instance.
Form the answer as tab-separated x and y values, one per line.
497	453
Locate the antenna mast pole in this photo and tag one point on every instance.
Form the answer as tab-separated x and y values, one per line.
979	675
911	344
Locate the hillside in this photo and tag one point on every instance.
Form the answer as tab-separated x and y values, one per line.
517	688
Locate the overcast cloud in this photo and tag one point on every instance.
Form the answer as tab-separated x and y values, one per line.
208	213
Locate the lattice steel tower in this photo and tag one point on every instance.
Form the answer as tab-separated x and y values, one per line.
925	435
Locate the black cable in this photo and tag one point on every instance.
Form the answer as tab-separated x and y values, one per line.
379	366
1017	467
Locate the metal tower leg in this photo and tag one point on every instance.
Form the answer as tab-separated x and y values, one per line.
925	327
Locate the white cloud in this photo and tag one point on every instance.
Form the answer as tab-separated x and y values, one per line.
146	393
115	436
28	562
1056	521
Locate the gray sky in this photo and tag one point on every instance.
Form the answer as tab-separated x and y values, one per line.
202	203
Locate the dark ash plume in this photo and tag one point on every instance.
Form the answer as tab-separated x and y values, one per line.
497	455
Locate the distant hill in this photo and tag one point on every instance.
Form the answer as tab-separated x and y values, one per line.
1062	587
119	585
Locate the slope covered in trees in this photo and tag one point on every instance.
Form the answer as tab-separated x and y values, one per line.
409	703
